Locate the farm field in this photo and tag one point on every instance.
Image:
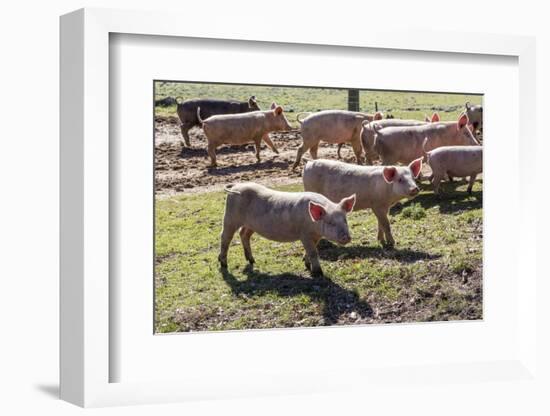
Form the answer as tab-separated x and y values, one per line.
295	99
433	273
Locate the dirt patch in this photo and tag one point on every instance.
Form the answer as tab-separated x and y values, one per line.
179	169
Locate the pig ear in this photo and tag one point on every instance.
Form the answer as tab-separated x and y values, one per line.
316	211
435	118
278	110
252	100
467	105
389	173
462	121
348	203
273	105
416	167
426	118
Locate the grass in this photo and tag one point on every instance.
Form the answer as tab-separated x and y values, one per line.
412	105
433	273
414	211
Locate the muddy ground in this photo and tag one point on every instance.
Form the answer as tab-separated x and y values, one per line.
179	169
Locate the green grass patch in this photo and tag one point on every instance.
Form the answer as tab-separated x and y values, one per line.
412	105
433	273
414	211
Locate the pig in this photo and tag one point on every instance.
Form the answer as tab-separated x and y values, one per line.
377	116
475	115
284	217
187	111
332	126
243	128
370	128
404	144
458	161
375	187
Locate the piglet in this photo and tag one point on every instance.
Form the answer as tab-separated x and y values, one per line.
243	128
455	161
283	216
376	187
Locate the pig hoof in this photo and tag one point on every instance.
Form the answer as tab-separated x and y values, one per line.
223	262
317	273
387	244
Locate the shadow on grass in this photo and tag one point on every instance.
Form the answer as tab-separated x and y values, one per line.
335	299
449	201
330	251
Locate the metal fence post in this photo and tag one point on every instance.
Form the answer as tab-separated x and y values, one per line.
353	100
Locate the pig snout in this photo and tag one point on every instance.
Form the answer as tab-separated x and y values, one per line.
344	237
414	191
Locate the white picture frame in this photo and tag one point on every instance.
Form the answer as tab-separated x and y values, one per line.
85	354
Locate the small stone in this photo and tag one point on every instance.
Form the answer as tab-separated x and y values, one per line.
353	315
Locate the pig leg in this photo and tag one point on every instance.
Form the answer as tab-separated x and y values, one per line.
384	224
450	177
368	157
268	141
340	148
212	154
358	150
380	236
257	145
313	151
436	181
245	235
472	181
312	256
228	232
185	127
301	150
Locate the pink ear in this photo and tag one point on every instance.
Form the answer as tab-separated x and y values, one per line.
389	173
462	121
316	211
435	118
273	105
278	110
416	167
348	203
